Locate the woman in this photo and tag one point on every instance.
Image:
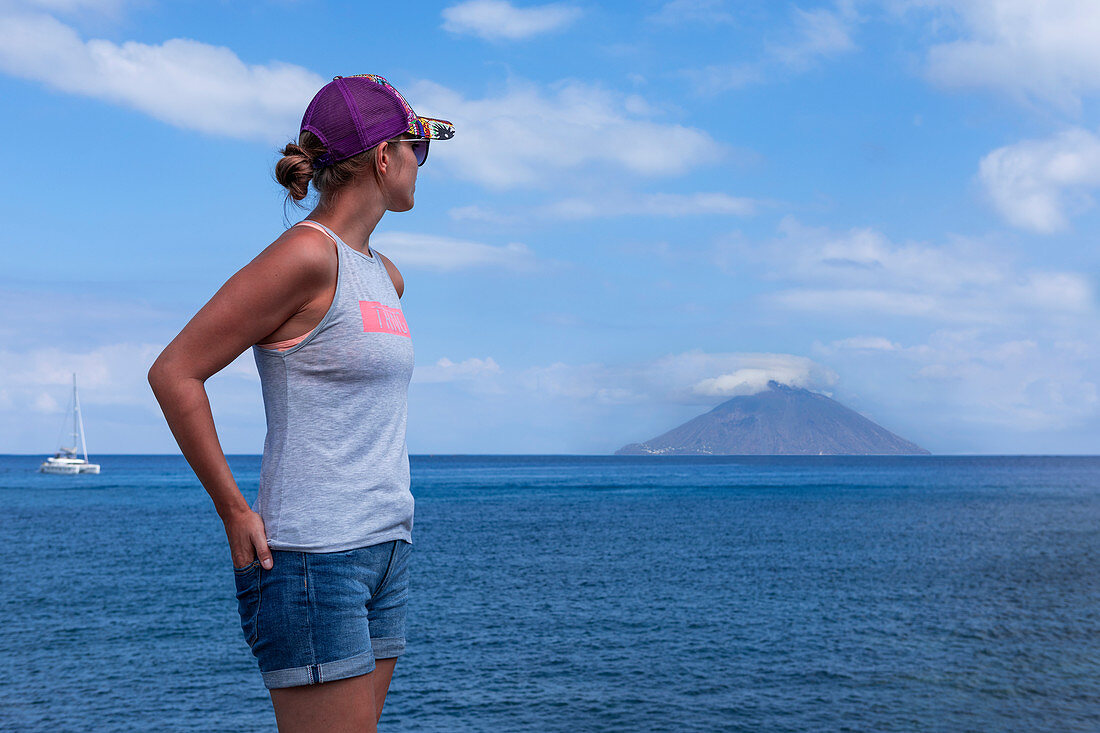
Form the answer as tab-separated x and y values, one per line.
321	559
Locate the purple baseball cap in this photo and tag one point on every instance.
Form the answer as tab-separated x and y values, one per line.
352	114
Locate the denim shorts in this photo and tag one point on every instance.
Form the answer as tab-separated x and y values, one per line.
322	616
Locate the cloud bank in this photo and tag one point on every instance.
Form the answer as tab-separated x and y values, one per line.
182	82
433	252
862	272
652	204
694	377
1032	50
556	133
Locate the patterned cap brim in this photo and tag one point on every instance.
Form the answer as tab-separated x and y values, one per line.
431	128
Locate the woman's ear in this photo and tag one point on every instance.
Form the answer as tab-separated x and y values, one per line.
385	156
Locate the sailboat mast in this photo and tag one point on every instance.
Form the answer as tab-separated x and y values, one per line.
76	434
78	420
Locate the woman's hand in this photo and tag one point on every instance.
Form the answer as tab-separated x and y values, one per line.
247	539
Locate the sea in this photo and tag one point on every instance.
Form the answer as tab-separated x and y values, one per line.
593	593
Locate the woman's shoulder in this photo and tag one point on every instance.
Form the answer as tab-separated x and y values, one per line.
303	248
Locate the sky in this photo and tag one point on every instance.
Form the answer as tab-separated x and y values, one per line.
647	208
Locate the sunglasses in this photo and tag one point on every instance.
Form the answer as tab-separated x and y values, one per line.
419	146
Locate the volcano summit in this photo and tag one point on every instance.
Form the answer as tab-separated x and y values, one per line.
781	420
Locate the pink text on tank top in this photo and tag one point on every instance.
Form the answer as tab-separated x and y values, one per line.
378	318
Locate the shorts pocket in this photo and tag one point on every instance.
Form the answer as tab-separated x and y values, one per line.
248	599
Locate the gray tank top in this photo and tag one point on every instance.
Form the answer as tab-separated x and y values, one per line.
335	469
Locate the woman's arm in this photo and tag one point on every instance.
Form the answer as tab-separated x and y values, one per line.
280	282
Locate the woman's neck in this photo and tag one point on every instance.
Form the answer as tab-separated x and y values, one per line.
353	216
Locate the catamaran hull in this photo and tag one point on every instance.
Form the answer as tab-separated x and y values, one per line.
68	468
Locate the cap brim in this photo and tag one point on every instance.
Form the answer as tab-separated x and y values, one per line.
432	128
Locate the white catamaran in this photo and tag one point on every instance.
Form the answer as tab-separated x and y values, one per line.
65	460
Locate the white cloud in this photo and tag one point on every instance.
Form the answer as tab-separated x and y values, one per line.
759	369
866	343
499	20
613	204
433	252
1040	50
654	204
109	7
41	379
580	383
814	35
862	272
45	403
120	413
532	136
39	383
882	302
182	82
475	212
1037	184
445	370
112	374
694	378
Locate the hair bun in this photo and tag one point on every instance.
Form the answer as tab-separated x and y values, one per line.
294	171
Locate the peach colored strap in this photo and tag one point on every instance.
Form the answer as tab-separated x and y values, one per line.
284	345
316	226
320	228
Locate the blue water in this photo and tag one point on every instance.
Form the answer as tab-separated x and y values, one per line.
562	593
